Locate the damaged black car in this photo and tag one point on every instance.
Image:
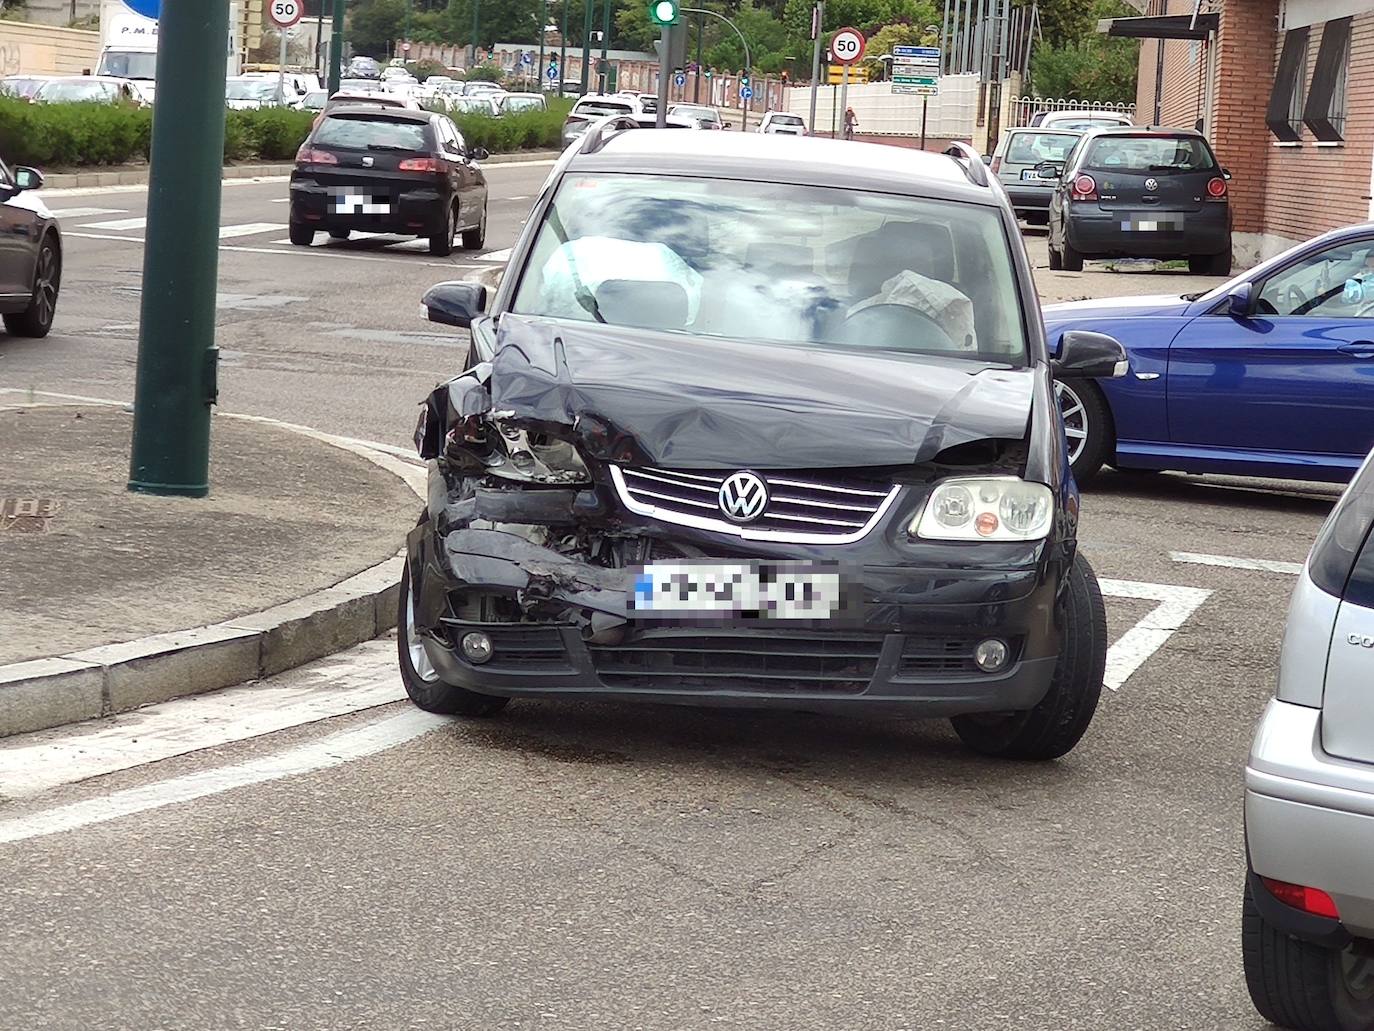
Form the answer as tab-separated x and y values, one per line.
759	423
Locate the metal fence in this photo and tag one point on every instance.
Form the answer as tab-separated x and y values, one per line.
1024	108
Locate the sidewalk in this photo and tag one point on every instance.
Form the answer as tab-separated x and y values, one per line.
144	598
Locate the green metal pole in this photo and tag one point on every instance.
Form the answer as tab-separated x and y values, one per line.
476	27
604	69
407	28
336	47
586	43
175	382
563	49
543	21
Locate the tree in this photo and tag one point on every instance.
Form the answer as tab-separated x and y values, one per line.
1092	67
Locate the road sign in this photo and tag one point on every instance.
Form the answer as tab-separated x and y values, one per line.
405	48
552	73
932	53
847	46
679	79
746	93
285	13
147	8
527	58
917	91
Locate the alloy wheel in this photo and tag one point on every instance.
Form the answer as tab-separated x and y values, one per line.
1075	418
45	285
419	660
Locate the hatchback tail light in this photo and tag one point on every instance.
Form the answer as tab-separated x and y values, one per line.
1084	188
1216	188
995	165
310	156
419	165
1309	900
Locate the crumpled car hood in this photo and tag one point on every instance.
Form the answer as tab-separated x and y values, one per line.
707	403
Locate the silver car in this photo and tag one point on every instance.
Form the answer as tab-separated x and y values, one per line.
1308	932
1017	163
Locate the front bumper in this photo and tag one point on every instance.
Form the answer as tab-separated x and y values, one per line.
908	648
1093	231
414	210
1309	817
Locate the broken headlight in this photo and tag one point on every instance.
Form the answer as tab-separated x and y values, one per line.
991	508
535	457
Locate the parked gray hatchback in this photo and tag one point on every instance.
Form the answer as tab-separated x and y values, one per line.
1309	793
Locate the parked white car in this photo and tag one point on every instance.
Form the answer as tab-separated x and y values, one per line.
1080	121
780	123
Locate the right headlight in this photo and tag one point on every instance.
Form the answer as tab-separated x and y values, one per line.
985	508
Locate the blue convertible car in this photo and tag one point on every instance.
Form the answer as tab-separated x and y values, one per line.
1270	374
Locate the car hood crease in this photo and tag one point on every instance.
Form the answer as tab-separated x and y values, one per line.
713	402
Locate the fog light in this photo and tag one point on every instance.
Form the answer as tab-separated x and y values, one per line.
990	655
477	647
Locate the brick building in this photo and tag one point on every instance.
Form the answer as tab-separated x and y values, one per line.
1285	90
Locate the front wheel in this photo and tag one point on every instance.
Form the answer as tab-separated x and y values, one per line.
1056	724
300	234
1087	426
36	319
421	679
339	234
1300	985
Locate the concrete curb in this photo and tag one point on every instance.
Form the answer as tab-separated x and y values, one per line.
139	176
42	693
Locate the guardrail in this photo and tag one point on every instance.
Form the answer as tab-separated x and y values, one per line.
1025	108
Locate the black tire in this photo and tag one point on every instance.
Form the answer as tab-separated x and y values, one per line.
426	690
1094	419
1071	259
1299	985
35	320
476	239
1037	218
1056	262
1056	724
1211	264
301	234
339	234
441	246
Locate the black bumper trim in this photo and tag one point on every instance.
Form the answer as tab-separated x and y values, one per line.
1324	931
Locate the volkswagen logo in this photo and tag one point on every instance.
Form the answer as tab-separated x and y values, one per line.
1151	185
742	497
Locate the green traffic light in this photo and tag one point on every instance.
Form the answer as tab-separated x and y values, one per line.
663	12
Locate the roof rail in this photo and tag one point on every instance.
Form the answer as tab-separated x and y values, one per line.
600	134
970	161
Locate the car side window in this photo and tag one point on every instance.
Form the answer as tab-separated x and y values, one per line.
459	144
1336	282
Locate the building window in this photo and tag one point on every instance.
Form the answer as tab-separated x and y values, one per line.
1324	112
1287	101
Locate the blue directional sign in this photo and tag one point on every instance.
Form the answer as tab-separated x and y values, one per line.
679	79
930	53
747	93
147	8
527	58
552	73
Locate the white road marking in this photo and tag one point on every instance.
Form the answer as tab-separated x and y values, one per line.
1136	645
502	255
359	678
249	229
280	200
1263	565
333	252
86	212
322	754
117	224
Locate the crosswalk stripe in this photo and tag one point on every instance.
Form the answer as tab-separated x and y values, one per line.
249	229
86	212
118	223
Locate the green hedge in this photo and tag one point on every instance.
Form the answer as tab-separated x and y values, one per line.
69	135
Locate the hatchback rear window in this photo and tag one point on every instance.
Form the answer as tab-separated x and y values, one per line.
787	120
1031	148
601	108
371	134
1155	154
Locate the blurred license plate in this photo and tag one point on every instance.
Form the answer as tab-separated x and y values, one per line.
747	590
348	202
1030	173
1147	225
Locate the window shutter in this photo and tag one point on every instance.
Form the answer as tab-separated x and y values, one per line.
1285	82
1331	58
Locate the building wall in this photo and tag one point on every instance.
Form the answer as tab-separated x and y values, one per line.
1184	89
46	50
1311	189
1246	44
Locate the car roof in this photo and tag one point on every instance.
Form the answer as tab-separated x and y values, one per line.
1043	130
1086	113
391	114
791	159
536	96
1143	130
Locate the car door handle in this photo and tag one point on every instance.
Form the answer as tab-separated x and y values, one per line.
1359	349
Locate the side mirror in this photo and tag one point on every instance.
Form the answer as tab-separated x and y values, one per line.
26	178
1090	355
480	153
455	303
1049	170
1240	300
987	159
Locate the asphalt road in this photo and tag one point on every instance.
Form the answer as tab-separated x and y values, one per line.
571	866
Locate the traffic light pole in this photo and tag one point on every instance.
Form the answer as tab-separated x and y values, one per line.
586	44
818	25
336	48
175	383
748	64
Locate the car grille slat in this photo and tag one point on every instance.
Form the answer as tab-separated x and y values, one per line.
823	509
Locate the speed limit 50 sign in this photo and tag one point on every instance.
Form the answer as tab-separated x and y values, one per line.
846	46
285	13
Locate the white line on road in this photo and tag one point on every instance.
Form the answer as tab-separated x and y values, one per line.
250	229
86	212
1137	644
323	754
1263	565
501	256
359	678
280	200
332	252
117	224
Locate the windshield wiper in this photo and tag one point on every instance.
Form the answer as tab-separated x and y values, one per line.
584	297
1168	168
390	146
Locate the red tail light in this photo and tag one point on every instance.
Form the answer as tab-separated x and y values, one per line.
1309	900
419	165
310	156
1216	188
1084	188
996	164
